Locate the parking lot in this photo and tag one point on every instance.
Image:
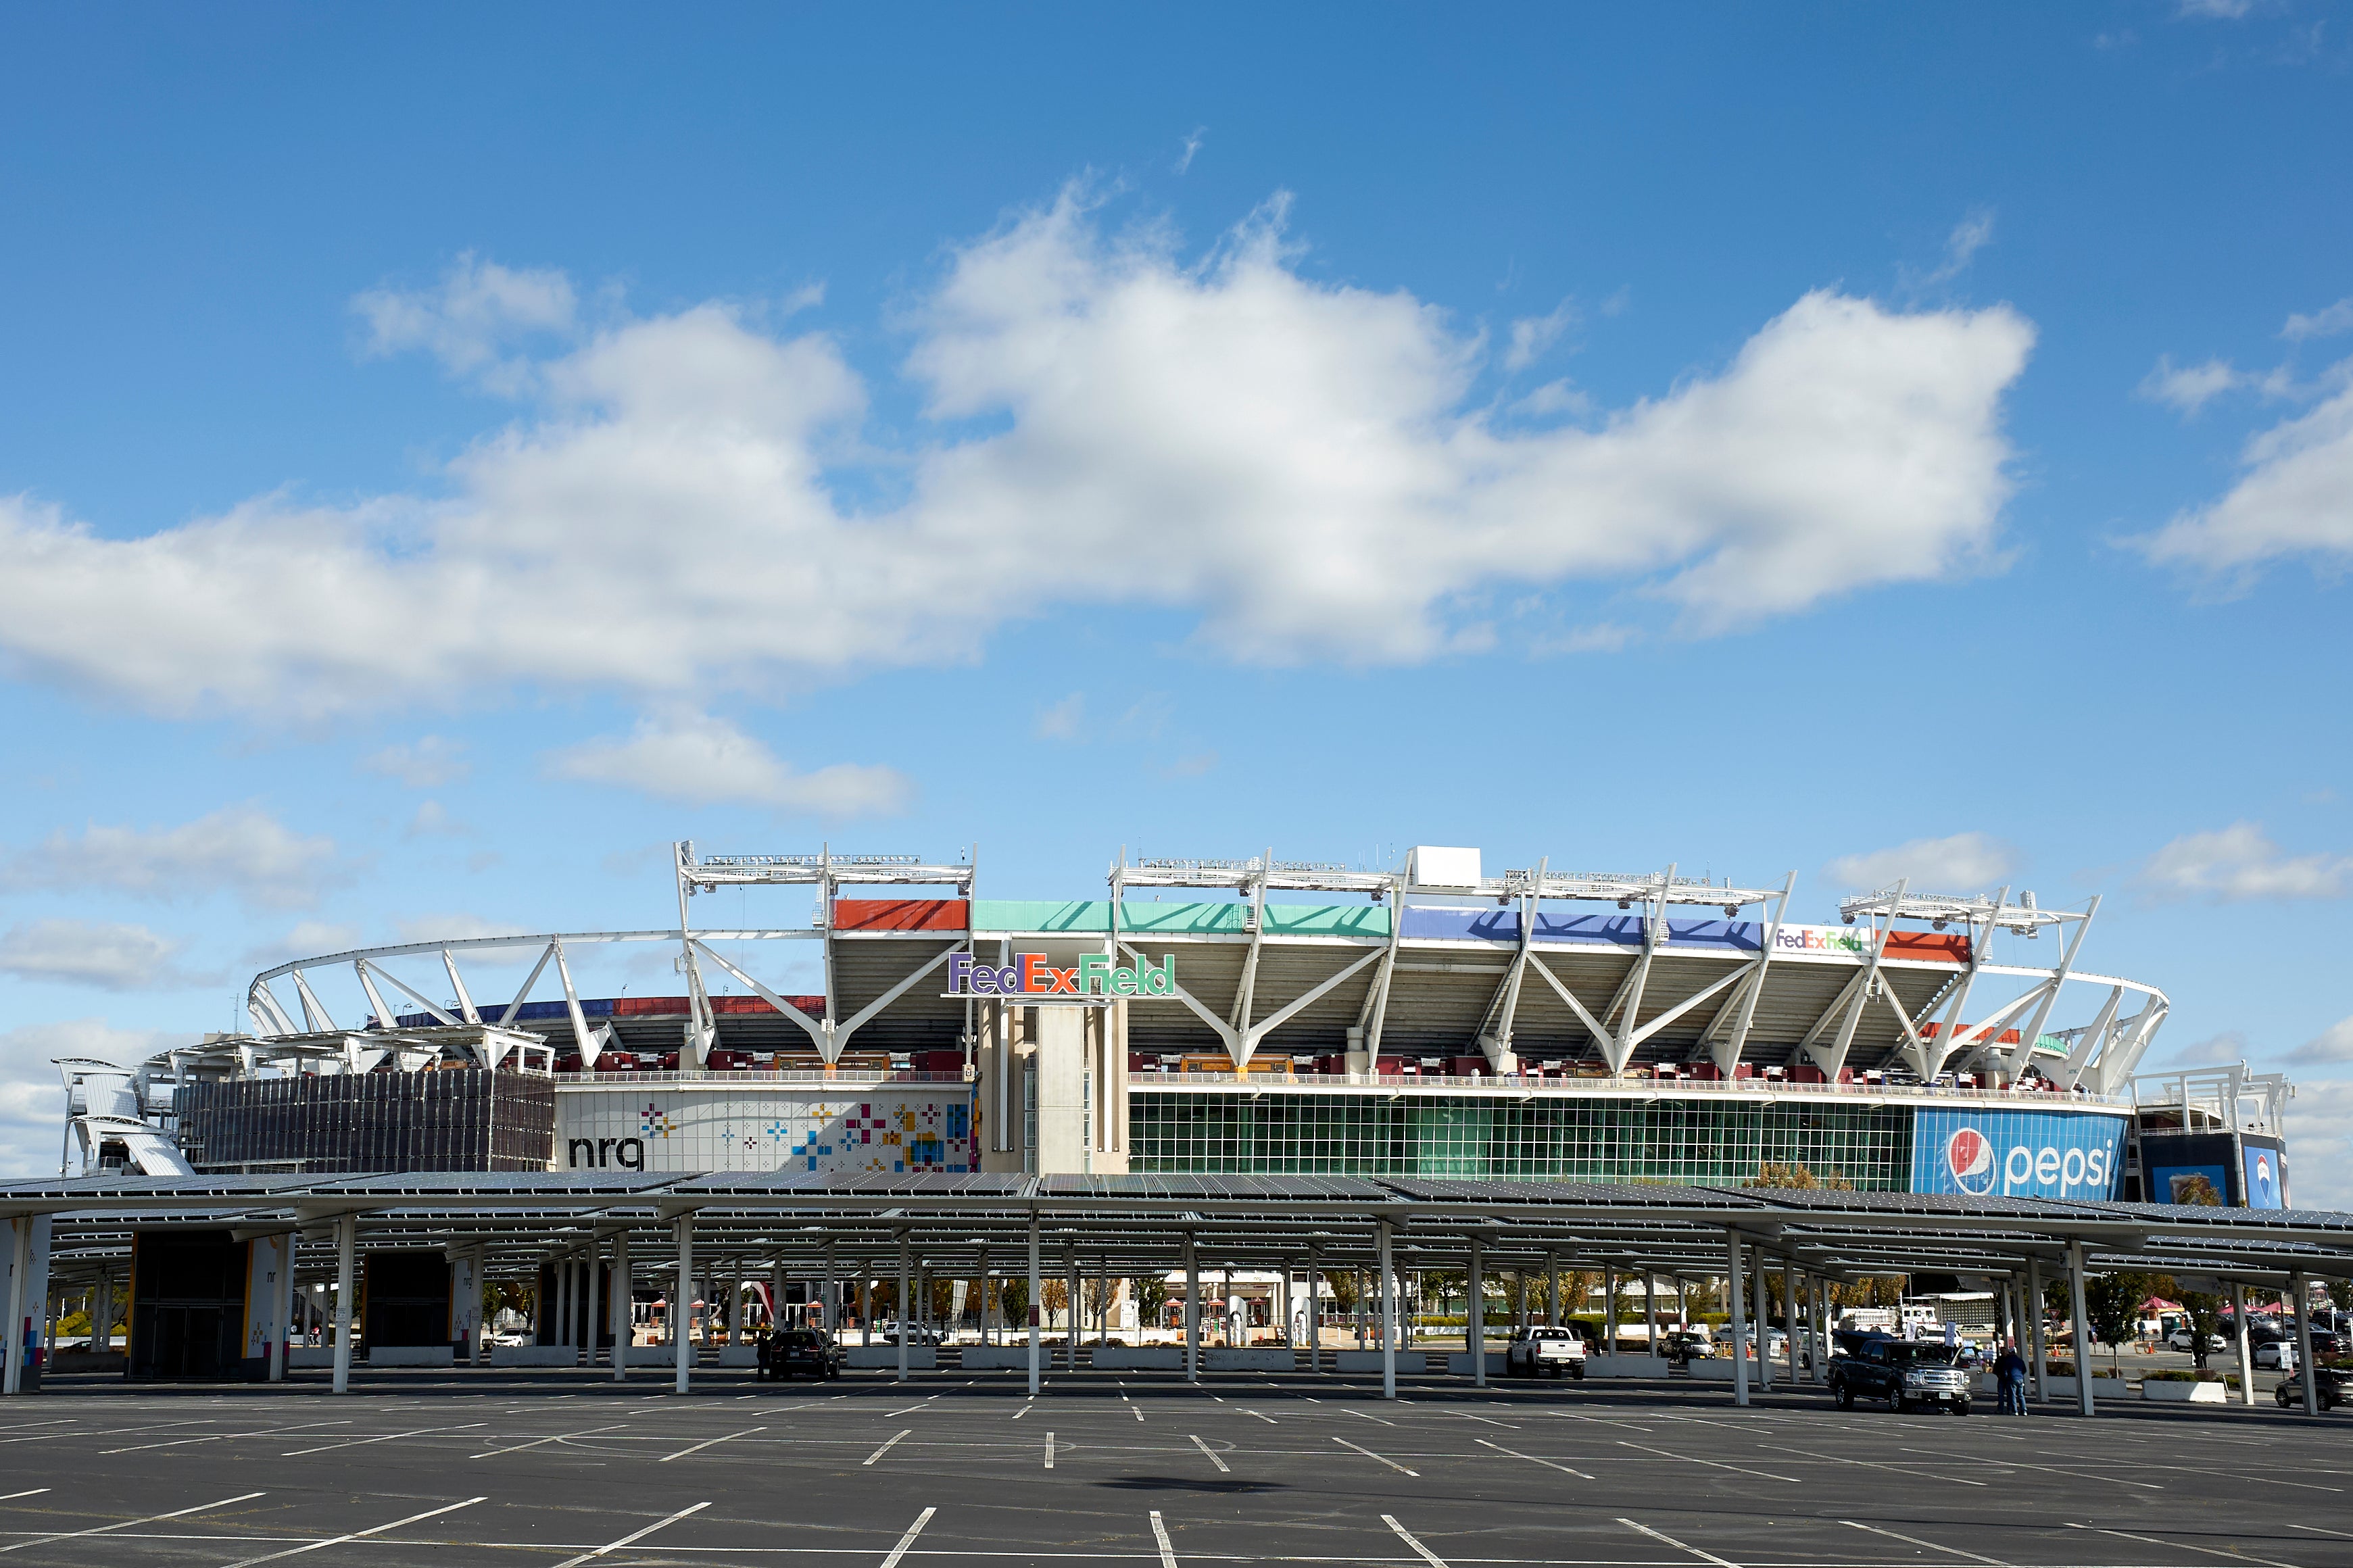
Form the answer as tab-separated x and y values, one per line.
569	1469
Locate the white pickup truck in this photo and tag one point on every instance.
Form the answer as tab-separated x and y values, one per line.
1543	1351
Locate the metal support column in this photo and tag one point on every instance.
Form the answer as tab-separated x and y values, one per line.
1763	1302
1552	1289
2304	1372
1315	1314
1192	1313
1739	1320
1610	1311
1475	1313
1036	1300
682	1298
596	1297
2246	1352
2081	1328
624	1308
2036	1356
904	1334
1650	1313
347	1237
20	1273
1388	1316
1789	1316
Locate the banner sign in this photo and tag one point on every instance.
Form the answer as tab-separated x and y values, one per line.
2017	1153
2265	1165
1033	977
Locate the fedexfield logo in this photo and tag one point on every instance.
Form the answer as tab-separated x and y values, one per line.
1968	1155
1821	938
1029	976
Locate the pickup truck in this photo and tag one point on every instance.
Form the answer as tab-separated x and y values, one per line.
1904	1373
1545	1351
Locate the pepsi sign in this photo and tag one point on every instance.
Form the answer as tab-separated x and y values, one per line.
2017	1153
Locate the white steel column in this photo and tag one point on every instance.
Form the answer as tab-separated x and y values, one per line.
20	1272
2081	1328
1475	1314
1608	1310
347	1236
1071	1293
1388	1316
1649	1312
1552	1289
1763	1303
682	1298
1036	1304
2304	1372
1315	1316
281	1305
596	1330
2246	1354
624	1308
829	1307
1192	1312
1789	1317
904	1334
2034	1329
1739	1320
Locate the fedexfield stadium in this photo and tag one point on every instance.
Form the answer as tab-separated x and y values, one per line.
1242	1017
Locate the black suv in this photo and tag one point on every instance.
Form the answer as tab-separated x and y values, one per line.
1904	1373
788	1353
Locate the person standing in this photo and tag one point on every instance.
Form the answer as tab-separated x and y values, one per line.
2009	1372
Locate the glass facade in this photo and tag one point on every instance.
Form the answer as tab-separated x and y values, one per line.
1548	1139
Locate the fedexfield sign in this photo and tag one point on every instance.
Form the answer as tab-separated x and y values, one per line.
1032	978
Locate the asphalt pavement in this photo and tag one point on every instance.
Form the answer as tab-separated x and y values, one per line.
562	1469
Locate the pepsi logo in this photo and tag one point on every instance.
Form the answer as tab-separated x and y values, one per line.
1968	1155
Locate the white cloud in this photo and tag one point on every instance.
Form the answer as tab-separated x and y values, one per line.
432	820
704	761
1603	637
2189	389
2323	323
1532	335
1963	863
1296	464
95	953
1192	146
2215	1050
1971	234
2241	862
429	762
479	311
238	849
1062	721
2334	1043
32	1093
456	926
306	938
1555	397
2294	498
2319	1128
2217	10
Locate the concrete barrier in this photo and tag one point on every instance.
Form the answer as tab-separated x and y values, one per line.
739	1355
1634	1366
1237	1358
2166	1389
1003	1358
1459	1363
660	1355
411	1356
1138	1358
64	1362
535	1355
920	1358
1718	1369
2102	1388
1409	1363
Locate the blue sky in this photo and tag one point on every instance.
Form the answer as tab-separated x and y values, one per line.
445	456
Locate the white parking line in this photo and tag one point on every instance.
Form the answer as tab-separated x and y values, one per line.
388	1437
1931	1545
354	1535
218	1437
2183	1546
10	1497
886	1449
1911	1470
708	1443
1392	1464
1167	1547
125	1525
1678	1545
591	1556
1406	1536
1213	1458
1050	1450
1360	1413
556	1438
1531	1458
1710	1463
908	1540
1267	1419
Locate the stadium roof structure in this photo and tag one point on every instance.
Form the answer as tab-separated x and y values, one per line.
1617	969
1130	1224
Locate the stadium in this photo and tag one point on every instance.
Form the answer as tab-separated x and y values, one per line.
1429	1020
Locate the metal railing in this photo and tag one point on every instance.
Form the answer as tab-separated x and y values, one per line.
1619	1086
699	1077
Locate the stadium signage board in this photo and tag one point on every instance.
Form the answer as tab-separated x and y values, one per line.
1033	977
2017	1153
1845	941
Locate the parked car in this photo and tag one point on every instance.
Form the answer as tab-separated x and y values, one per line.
2327	1345
2276	1355
1688	1345
1545	1351
790	1353
1901	1372
2182	1340
2328	1386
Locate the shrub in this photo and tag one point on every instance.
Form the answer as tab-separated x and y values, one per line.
2181	1375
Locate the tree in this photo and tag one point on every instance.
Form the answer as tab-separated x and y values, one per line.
1776	1173
2205	1314
1343	1290
1150	1299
